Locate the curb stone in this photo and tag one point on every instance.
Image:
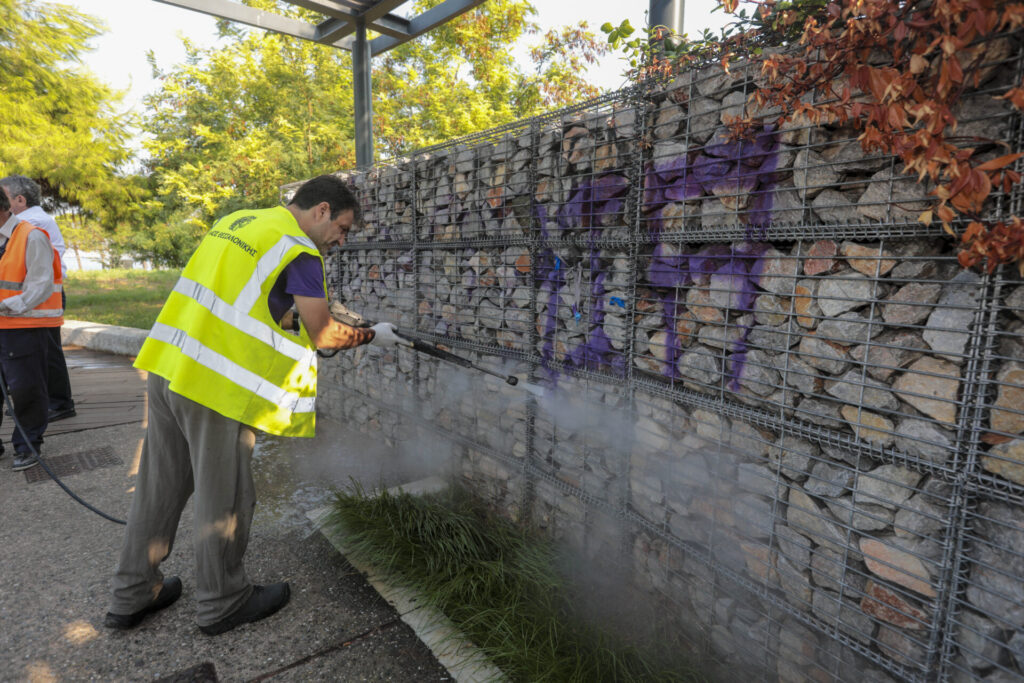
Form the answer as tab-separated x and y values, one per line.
125	341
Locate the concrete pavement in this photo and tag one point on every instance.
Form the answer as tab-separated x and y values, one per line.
58	557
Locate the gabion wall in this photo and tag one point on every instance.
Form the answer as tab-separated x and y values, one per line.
771	391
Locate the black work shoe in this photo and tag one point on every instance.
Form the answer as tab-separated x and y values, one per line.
22	461
264	601
169	593
62	414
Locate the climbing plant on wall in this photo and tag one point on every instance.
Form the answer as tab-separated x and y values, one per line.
894	70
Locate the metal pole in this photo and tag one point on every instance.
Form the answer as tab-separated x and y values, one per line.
667	13
362	94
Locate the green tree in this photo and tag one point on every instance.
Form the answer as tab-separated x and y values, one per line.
59	123
462	77
234	122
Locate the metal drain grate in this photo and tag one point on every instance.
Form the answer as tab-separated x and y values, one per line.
74	463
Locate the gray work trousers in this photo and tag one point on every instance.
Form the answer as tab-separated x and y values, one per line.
188	448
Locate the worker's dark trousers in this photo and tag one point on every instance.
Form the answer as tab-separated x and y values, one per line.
58	383
23	359
188	448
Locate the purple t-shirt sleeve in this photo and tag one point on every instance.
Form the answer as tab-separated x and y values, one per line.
304	276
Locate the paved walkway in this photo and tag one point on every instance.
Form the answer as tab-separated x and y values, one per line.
57	559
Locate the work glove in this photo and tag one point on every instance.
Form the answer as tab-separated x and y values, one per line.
384	335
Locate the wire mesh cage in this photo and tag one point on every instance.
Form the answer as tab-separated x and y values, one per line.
761	386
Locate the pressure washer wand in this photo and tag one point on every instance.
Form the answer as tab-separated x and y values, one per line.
432	350
343	315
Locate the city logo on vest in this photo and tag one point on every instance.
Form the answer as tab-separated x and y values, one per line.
241	223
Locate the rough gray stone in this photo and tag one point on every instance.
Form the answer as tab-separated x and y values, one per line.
931	386
787	208
920	516
757	479
1016	648
828	480
828	570
823	355
979	639
753	516
911	304
749	441
721	336
795	582
861	516
773	340
849	157
844	291
851	388
924	439
888	353
948	325
710	425
808	518
848	329
995	588
901	194
888	486
703	119
1014	302
793	545
835	207
771	310
901	646
1007	413
811	171
820	412
757	373
844	614
794	455
802	377
778	272
667	120
700	364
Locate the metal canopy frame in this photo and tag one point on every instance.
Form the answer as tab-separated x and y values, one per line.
345	25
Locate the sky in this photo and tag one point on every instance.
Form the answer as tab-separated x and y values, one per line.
136	26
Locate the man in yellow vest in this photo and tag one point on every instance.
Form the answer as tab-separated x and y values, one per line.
221	363
30	304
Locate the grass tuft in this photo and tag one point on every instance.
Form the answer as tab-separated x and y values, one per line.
495	581
130	298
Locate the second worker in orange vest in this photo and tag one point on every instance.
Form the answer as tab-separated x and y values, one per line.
30	304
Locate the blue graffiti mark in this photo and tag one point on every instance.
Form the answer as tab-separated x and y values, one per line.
590	204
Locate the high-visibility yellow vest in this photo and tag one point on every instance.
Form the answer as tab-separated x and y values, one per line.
13	270
215	341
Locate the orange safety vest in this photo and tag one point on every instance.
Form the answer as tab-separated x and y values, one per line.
50	313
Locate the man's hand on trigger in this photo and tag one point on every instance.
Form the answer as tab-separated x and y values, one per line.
326	332
384	335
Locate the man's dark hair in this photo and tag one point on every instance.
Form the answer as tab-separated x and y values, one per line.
5	203
330	189
26	187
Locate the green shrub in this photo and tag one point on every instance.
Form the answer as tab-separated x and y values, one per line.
496	582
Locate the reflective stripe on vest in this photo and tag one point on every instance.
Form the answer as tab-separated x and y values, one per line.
233	371
266	265
236	318
215	340
13	270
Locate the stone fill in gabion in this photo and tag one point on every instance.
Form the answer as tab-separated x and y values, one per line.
773	399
